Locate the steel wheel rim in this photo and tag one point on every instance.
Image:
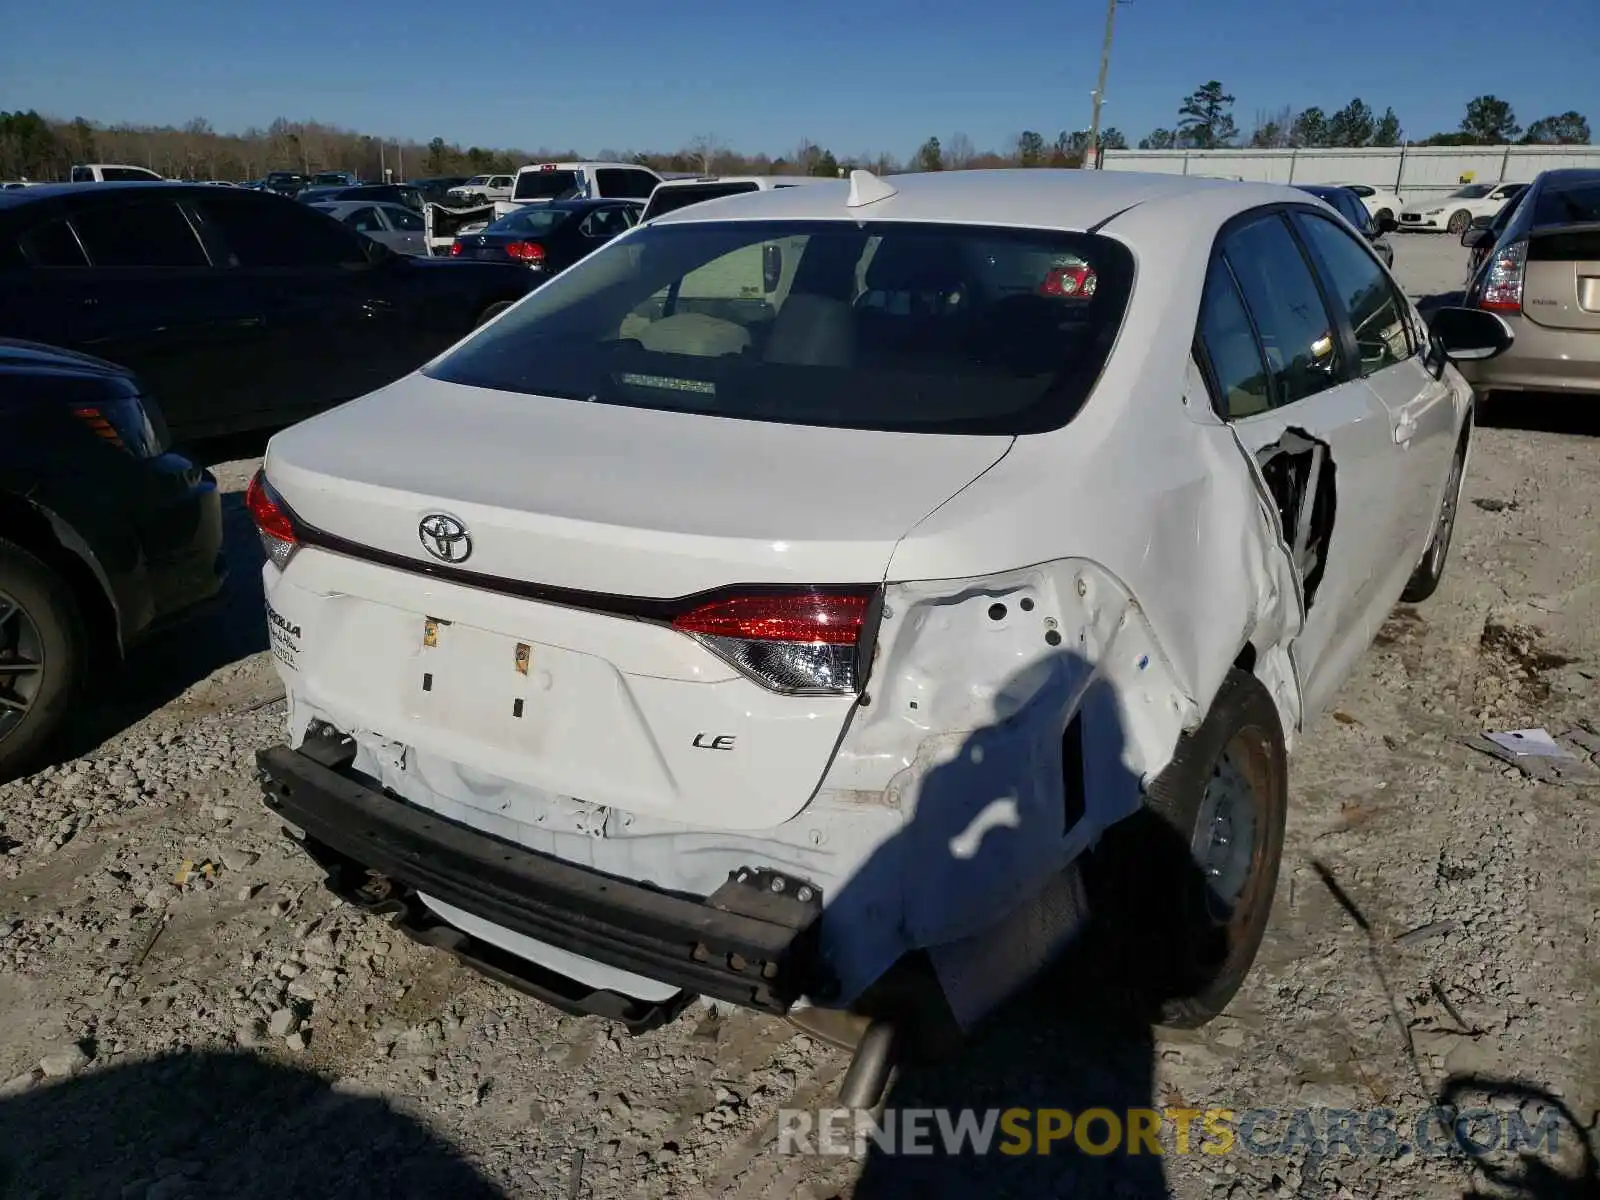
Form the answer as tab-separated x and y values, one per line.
21	663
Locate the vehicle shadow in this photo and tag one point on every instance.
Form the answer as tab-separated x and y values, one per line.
167	663
1078	1033
220	1124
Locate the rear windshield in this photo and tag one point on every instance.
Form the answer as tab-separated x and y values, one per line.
544	185
877	325
1565	245
534	222
1571	204
671	199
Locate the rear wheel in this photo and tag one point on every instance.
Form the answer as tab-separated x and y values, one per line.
1181	891
42	655
1425	579
1459	220
1384	214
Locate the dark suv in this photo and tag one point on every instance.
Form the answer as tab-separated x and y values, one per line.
241	310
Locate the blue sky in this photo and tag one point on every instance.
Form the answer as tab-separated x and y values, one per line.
855	77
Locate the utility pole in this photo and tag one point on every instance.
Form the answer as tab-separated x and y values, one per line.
1100	88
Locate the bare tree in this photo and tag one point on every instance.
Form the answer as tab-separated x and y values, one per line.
705	149
958	152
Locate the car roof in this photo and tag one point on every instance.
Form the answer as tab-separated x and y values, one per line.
771	180
573	165
1037	198
579	204
46	192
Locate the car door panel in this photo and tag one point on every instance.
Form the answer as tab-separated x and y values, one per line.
1420	409
1322	438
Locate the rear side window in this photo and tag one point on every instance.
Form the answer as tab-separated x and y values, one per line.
128	175
544	185
1238	373
275	233
1297	335
1367	293
893	325
364	220
665	200
154	234
403	220
82	175
1572	204
53	244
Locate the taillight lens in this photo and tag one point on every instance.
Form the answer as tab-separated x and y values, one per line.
527	252
272	521
809	642
1502	281
123	424
455	249
1075	282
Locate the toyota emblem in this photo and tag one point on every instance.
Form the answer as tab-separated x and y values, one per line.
445	538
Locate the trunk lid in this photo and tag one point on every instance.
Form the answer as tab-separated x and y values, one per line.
618	500
1561	285
540	698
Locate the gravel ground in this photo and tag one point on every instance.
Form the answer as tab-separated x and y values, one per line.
184	1012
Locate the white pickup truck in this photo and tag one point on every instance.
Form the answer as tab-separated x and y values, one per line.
480	189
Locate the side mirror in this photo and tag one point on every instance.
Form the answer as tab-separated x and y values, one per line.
1470	334
771	267
1385	224
1471	237
1481	222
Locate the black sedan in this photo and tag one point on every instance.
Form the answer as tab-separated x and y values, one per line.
104	533
549	237
1350	207
241	310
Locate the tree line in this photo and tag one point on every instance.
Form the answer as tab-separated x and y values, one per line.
1206	122
41	148
36	147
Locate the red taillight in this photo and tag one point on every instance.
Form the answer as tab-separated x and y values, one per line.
99	426
1072	282
1502	280
455	249
526	252
805	642
272	520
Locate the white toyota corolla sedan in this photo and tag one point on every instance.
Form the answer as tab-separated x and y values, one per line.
845	597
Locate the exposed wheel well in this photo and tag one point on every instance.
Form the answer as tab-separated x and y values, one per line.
1246	661
23	524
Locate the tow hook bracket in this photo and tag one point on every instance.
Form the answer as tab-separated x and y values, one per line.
769	895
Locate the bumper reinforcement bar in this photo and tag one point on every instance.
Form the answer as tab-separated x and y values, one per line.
737	946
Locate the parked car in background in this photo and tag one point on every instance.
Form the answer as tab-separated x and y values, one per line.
574	180
403	194
239	309
1380	202
285	183
319	195
1542	277
1348	205
930	610
673	194
433	189
1456	211
105	534
391	225
550	237
334	179
112	173
480	189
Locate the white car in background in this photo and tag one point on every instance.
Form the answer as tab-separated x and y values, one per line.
1455	212
480	189
835	597
1379	202
391	225
565	180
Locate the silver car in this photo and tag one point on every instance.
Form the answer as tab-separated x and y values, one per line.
394	225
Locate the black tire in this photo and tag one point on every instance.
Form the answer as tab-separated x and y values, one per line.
1459	220
493	311
1179	950
1425	579
1383	214
40	622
